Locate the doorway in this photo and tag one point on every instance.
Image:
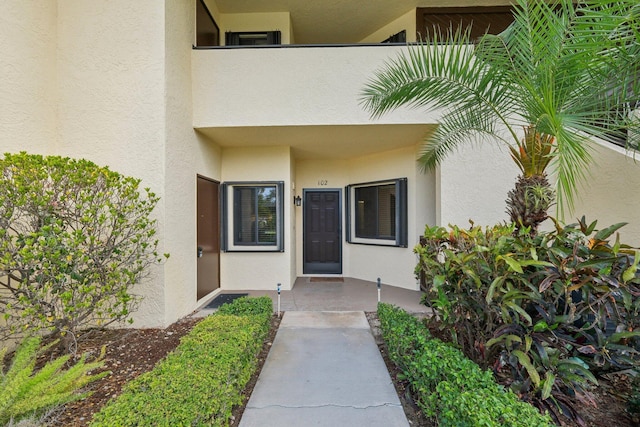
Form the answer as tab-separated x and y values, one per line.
322	232
208	236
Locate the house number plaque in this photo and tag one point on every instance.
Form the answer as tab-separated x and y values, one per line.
323	182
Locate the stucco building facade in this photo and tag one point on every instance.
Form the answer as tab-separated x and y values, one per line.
268	146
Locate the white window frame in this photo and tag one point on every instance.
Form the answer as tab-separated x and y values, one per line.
229	244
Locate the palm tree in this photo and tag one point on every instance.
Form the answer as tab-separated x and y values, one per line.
560	72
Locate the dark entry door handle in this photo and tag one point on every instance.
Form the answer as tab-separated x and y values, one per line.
199	251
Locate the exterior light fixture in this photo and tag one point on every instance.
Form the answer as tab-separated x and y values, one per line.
297	200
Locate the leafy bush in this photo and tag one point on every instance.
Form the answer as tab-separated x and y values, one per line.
200	382
25	393
74	239
547	311
449	386
633	402
246	306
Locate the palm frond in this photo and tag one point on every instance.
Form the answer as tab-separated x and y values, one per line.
570	162
432	74
458	127
566	70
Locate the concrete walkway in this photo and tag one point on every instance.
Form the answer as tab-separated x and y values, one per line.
324	369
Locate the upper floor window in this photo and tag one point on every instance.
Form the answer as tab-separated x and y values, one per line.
400	37
377	213
253	216
207	31
486	19
252	38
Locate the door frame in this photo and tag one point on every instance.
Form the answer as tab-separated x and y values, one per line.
340	226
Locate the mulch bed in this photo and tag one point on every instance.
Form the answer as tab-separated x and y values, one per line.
129	353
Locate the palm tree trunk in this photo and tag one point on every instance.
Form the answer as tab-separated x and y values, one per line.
529	202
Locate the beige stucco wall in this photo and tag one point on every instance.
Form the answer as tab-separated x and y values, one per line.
215	12
293	225
260	270
257	22
609	193
111	103
187	154
472	184
28	76
111	82
405	22
302	86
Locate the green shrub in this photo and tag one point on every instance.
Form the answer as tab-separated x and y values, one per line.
449	386
548	310
24	393
74	239
201	381
633	402
246	306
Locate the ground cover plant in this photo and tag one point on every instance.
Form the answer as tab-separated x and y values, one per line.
74	239
201	381
450	387
28	392
548	313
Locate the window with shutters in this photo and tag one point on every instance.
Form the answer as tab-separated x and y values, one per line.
253	216
377	213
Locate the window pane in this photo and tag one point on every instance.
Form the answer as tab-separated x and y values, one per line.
255	217
245	215
376	211
387	211
267	218
366	206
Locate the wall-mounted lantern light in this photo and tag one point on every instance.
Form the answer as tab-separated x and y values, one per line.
297	200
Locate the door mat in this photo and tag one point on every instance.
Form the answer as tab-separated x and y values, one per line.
223	299
326	279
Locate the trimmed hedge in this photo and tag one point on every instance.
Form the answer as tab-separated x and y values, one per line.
201	381
448	385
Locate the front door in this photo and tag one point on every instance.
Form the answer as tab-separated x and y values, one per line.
322	236
208	249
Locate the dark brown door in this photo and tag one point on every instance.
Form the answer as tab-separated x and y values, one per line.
322	232
208	249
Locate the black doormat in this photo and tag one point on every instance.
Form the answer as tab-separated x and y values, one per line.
223	299
326	279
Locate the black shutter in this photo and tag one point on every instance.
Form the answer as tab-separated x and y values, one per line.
402	234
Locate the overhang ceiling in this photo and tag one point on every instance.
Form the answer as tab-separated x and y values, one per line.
323	142
341	21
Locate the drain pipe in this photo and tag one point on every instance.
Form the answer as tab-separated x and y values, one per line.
379	285
278	299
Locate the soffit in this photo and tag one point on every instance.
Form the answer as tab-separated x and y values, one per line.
341	21
323	142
